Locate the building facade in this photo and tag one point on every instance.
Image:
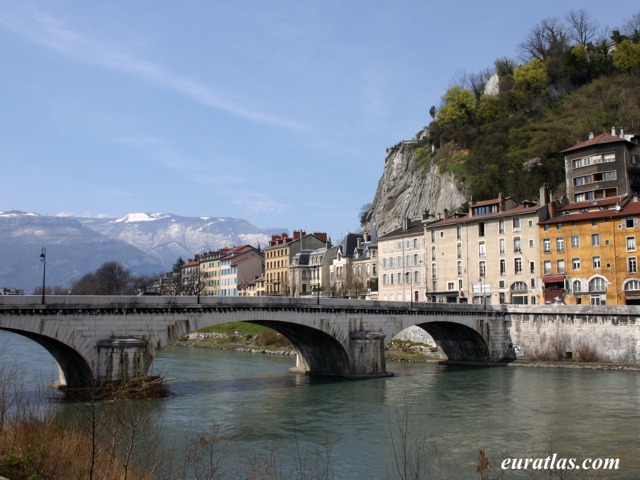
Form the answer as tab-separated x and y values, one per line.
401	267
604	166
486	255
589	253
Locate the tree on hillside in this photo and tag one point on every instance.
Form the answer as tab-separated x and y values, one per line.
627	57
631	28
583	28
548	37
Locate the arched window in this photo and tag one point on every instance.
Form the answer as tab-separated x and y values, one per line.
518	287
598	284
576	285
632	285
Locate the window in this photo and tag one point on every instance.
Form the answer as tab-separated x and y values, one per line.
532	267
459	232
433	236
546	245
458	251
517	264
575	241
577	286
501	226
632	285
481	249
459	268
595	262
530	223
631	222
598	284
558	226
415	260
516	224
632	265
560	265
481	229
501	247
451	286
560	244
434	271
595	239
482	268
433	253
547	267
531	243
575	264
503	266
631	244
516	245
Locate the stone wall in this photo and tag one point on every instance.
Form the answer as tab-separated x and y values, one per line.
580	333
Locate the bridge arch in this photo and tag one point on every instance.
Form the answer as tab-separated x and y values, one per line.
74	369
318	352
459	342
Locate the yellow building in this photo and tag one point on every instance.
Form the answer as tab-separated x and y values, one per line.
279	255
588	253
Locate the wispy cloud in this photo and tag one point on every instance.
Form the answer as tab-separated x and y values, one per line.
50	32
259	203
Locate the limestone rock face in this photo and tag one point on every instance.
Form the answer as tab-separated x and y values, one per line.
406	190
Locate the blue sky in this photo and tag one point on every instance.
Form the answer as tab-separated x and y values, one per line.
278	112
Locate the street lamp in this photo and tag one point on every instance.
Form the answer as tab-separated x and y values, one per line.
408	274
317	284
43	259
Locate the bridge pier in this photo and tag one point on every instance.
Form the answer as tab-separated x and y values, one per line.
121	359
367	355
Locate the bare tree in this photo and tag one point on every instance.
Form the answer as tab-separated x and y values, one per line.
474	82
631	27
550	35
583	28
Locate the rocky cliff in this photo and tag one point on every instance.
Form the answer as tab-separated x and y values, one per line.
407	189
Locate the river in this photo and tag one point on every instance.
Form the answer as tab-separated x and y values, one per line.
263	412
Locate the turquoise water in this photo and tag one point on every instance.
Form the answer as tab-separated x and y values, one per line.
264	415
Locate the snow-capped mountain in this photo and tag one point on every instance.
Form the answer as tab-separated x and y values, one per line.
145	243
168	237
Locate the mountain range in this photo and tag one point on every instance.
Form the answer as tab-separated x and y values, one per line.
144	243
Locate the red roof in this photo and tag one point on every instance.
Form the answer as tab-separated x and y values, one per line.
601	139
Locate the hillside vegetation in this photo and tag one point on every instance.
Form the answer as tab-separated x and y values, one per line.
503	129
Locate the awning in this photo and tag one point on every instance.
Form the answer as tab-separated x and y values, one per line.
553	279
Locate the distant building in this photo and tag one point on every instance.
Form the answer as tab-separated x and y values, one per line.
11	291
279	256
604	166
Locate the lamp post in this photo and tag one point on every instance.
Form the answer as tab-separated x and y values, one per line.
317	284
43	259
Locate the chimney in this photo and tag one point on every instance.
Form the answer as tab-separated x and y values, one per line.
613	131
590	135
544	195
405	223
358	242
622	133
446	213
365	237
501	202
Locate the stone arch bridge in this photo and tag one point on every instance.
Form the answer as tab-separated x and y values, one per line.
97	340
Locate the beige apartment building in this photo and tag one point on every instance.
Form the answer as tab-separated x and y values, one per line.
401	272
488	254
